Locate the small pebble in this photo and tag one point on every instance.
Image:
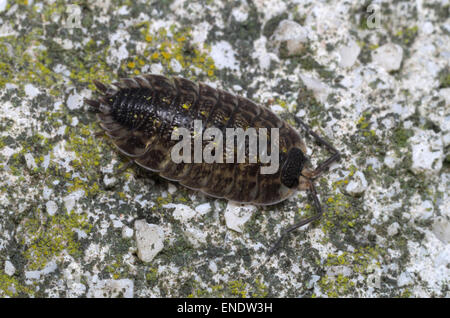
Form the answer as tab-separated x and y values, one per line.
291	33
357	185
388	56
149	240
349	53
236	216
9	268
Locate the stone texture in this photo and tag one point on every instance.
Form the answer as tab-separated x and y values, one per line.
149	240
73	227
236	216
388	56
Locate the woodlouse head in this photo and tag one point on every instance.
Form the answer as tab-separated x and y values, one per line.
294	170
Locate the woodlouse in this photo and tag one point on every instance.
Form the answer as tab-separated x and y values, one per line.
140	114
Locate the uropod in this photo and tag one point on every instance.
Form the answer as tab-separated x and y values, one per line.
142	115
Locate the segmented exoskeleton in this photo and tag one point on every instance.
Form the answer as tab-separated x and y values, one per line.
141	113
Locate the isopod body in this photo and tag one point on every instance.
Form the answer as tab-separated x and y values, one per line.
141	113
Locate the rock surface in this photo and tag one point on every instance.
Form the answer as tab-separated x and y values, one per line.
290	34
349	53
71	226
388	56
236	216
111	288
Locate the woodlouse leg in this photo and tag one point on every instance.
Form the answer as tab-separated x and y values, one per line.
292	228
100	86
100	133
125	166
92	103
322	142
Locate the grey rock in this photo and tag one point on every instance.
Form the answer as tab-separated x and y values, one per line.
9	268
427	152
111	288
441	228
236	216
149	240
388	56
357	185
349	53
292	34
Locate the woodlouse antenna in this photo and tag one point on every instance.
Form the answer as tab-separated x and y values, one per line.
313	175
317	216
322	142
92	103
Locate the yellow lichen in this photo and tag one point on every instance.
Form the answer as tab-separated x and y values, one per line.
48	238
10	287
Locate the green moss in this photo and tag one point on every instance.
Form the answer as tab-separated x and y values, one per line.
406	36
10	287
238	288
406	293
362	262
272	24
36	145
336	286
152	275
31	56
47	239
364	125
260	290
90	64
2	143
234	289
168	47
307	101
24	61
115	269
401	135
309	63
89	153
444	78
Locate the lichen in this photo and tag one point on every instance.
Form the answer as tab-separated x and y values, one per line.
363	262
11	287
169	47
406	36
60	62
89	153
336	286
47	238
340	215
233	289
444	78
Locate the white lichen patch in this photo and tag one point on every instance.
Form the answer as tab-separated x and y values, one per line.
237	215
109	288
349	53
388	56
427	152
224	56
181	212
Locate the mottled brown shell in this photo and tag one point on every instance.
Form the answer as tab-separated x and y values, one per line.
141	113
